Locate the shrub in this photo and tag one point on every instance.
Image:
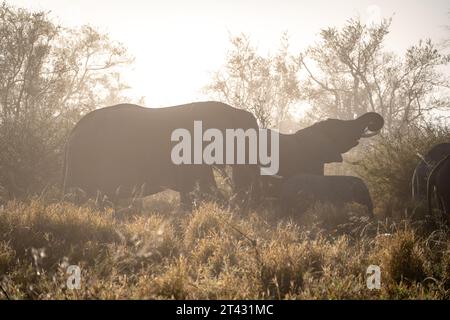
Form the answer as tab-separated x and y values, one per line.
388	165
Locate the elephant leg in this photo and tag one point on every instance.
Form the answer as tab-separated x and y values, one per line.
442	204
185	183
370	210
78	196
186	201
206	182
245	181
446	201
208	187
366	201
198	185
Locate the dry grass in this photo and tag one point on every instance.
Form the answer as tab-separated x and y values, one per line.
160	253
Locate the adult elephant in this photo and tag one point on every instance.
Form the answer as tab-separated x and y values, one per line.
438	187
117	149
424	167
307	150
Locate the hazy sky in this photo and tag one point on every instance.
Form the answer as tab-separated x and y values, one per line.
177	43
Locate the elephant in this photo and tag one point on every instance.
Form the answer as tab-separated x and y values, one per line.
307	150
116	149
439	184
299	192
423	168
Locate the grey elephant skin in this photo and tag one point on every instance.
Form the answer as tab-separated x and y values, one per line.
309	149
438	187
298	193
423	169
119	148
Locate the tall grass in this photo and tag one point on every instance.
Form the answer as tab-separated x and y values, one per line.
213	254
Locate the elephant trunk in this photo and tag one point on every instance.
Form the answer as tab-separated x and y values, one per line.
371	121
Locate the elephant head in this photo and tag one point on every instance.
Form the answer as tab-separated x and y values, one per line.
344	135
307	150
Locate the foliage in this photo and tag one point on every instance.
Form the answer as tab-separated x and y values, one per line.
349	73
267	86
49	77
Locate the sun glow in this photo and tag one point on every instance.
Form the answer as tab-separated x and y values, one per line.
177	44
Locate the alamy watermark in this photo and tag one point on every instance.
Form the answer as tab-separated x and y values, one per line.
74	279
373	273
256	150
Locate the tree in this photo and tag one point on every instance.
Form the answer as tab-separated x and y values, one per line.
348	74
265	86
49	77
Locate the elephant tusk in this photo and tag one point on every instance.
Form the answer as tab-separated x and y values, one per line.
368	135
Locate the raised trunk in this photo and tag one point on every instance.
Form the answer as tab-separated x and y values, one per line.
371	121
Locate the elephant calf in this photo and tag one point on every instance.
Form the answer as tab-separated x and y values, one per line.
301	191
439	184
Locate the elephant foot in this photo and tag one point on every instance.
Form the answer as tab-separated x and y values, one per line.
193	199
186	202
77	196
